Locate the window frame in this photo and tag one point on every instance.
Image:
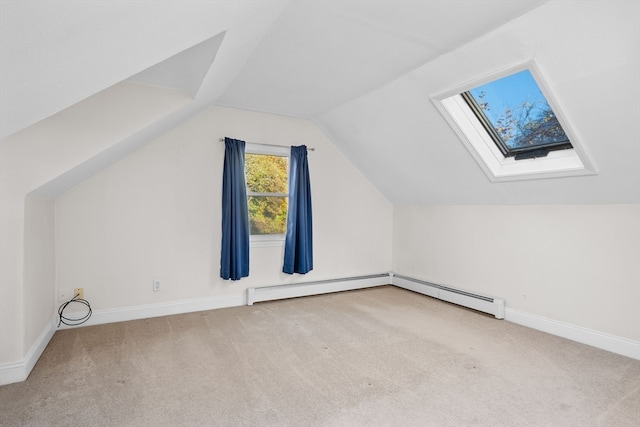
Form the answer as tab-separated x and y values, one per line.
519	153
266	240
498	167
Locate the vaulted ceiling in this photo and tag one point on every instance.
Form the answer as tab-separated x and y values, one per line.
364	71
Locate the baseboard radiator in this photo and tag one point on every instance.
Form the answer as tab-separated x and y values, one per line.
270	293
494	306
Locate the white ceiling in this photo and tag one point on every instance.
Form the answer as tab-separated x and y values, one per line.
363	71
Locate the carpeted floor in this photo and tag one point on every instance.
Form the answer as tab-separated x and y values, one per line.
376	357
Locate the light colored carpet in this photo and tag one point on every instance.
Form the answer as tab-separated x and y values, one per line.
374	357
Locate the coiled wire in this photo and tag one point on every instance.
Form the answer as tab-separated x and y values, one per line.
74	322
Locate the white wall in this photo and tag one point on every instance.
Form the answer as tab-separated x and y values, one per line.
39	267
156	214
35	156
572	263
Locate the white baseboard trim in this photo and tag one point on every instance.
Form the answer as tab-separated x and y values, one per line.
19	371
572	332
276	292
16	372
484	303
147	311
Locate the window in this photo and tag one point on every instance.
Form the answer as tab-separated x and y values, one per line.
517	116
267	173
511	126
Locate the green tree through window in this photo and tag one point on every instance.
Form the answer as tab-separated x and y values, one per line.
267	191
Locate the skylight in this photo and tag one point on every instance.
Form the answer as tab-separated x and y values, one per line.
517	116
512	127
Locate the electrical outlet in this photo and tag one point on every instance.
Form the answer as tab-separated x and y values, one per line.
78	293
156	285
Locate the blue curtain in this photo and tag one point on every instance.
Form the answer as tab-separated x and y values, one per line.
234	259
298	248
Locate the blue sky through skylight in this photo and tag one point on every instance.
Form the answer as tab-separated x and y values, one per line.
518	111
509	92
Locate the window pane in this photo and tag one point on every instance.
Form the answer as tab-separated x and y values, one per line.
519	113
267	214
266	174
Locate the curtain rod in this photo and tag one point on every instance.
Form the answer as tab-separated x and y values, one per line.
271	145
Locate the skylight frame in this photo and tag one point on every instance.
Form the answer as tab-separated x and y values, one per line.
502	145
498	167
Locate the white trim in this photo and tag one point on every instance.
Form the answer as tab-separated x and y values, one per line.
601	340
160	309
270	293
474	301
497	167
19	371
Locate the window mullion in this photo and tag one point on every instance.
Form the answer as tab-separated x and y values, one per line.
253	193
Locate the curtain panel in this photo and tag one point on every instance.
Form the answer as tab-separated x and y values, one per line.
298	249
234	258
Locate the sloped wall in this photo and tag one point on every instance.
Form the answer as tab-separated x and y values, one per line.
156	214
35	157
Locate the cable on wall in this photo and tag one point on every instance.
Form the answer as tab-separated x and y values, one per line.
74	322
